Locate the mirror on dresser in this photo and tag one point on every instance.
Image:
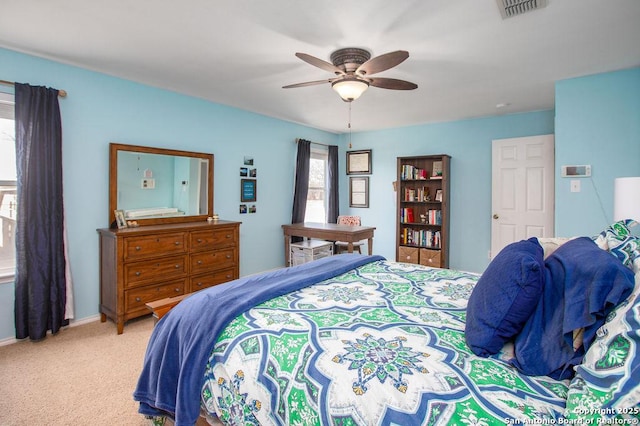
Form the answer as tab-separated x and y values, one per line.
155	185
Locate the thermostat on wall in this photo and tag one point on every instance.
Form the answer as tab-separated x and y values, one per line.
576	171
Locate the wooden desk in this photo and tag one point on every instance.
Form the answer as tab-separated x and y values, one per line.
329	232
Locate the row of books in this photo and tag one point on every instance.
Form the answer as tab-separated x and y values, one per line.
431	217
420	237
410	172
416	194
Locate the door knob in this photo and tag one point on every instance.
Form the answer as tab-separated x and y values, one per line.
495	216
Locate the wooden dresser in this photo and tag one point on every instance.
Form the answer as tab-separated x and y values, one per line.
140	265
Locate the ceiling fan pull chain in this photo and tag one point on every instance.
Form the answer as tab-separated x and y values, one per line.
349	125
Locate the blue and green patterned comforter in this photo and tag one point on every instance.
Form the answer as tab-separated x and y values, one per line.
380	344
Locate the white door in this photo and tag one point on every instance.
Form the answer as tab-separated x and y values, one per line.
522	193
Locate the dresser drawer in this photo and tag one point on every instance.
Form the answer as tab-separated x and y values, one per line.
212	260
136	298
213	278
154	245
212	239
157	269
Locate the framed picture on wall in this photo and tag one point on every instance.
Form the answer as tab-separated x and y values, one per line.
359	162
248	189
359	192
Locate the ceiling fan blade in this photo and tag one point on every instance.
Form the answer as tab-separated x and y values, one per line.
316	62
382	62
392	83
308	83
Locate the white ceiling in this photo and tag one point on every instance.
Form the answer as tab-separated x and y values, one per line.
464	57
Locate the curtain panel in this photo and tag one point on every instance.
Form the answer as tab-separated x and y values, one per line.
333	209
301	188
40	283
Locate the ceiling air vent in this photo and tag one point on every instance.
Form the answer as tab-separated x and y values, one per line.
510	8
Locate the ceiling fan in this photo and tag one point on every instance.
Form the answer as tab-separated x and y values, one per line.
353	68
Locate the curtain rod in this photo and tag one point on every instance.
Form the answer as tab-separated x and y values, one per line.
61	93
315	143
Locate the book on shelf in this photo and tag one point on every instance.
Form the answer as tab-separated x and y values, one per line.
420	238
409	172
435	217
416	194
407	215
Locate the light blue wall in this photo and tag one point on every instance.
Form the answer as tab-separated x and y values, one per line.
597	123
469	145
102	109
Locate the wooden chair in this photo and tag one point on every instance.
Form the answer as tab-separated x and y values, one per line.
342	246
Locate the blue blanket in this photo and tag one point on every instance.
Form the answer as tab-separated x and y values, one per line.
180	345
583	284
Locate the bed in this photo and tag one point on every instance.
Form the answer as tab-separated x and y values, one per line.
360	340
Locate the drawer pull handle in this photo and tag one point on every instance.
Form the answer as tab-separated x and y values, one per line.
199	240
228	276
177	290
199	284
228	256
138	273
199	262
228	236
138	299
178	266
177	243
138	248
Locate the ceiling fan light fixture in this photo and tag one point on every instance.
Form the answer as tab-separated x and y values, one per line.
350	89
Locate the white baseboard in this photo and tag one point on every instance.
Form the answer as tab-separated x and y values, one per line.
72	323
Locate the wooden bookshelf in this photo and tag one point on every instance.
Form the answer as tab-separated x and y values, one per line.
422	219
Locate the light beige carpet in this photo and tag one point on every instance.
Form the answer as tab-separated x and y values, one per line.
83	375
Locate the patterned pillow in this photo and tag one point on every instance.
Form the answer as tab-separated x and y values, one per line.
607	383
617	240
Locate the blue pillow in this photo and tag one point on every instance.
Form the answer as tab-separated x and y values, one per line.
504	297
583	285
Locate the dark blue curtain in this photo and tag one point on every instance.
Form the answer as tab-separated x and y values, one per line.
301	188
333	209
40	283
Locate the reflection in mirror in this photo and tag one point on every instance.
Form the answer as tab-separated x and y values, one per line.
161	185
152	185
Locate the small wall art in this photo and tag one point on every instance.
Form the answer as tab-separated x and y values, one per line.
248	190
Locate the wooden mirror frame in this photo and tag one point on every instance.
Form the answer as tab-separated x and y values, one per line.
114	148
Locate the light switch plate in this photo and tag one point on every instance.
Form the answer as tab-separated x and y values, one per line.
575	185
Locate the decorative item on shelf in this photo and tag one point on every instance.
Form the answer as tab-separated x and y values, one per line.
120	220
423	218
437	170
132	223
439	195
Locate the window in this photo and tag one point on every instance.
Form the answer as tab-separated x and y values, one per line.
316	210
8	201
